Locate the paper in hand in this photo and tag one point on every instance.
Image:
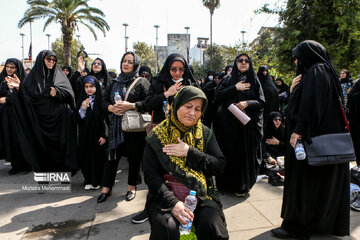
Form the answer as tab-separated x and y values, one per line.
244	119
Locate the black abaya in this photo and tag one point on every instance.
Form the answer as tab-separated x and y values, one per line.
240	144
354	118
45	129
316	199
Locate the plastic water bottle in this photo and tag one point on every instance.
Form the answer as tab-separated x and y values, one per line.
117	97
190	203
299	150
165	108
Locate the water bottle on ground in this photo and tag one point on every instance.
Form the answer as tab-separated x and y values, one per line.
117	97
190	203
165	108
299	150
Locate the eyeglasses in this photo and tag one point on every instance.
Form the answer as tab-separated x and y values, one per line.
241	60
277	119
50	59
96	63
174	69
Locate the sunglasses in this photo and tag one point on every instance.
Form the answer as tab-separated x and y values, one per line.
241	60
277	119
174	69
96	63
50	59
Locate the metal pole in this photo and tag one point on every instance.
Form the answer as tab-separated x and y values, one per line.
78	38
126	37
243	39
48	36
157	52
187	45
22	45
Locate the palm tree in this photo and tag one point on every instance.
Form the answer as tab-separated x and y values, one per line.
211	5
69	13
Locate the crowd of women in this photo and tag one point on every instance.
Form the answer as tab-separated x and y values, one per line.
53	120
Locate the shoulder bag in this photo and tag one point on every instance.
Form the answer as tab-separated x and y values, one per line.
132	120
333	148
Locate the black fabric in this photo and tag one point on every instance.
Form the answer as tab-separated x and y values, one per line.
146	69
9	144
271	131
155	97
240	144
92	156
103	76
270	93
354	118
207	222
316	199
44	123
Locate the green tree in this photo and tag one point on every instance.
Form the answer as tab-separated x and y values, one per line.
69	14
335	24
146	54
218	62
58	48
211	5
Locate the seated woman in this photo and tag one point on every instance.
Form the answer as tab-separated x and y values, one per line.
183	147
274	138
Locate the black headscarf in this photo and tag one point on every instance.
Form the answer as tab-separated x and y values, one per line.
265	81
125	78
103	75
348	77
98	96
270	128
227	68
147	70
165	75
20	72
69	68
283	87
40	76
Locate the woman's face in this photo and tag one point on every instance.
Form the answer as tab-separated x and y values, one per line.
189	113
50	62
177	70
10	69
243	63
97	66
265	72
229	71
90	89
127	65
342	75
277	122
66	71
278	83
84	73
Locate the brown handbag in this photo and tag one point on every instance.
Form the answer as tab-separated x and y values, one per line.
180	190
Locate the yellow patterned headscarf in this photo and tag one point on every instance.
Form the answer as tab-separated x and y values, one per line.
170	129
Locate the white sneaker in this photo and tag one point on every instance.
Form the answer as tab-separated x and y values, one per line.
88	187
95	188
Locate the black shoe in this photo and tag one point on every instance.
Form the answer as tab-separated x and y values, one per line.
140	218
283	234
13	171
130	196
103	197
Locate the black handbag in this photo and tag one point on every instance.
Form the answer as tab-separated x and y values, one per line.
330	149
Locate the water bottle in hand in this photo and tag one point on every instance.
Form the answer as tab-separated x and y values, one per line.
299	150
190	203
165	108
117	97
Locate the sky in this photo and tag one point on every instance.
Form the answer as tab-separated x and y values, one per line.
232	17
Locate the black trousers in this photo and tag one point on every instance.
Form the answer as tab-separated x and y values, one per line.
208	225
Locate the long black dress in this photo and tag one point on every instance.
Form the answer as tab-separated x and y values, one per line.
354	118
44	123
11	149
316	199
240	144
92	156
271	131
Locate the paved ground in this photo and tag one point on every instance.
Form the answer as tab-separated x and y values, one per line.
76	215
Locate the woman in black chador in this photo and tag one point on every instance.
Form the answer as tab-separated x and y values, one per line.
354	118
270	92
240	144
44	125
316	199
11	149
92	138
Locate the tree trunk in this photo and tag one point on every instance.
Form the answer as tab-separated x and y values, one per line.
67	39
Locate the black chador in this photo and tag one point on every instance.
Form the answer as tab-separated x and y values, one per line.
44	123
91	123
10	148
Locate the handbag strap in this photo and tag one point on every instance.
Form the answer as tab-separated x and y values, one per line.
131	86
